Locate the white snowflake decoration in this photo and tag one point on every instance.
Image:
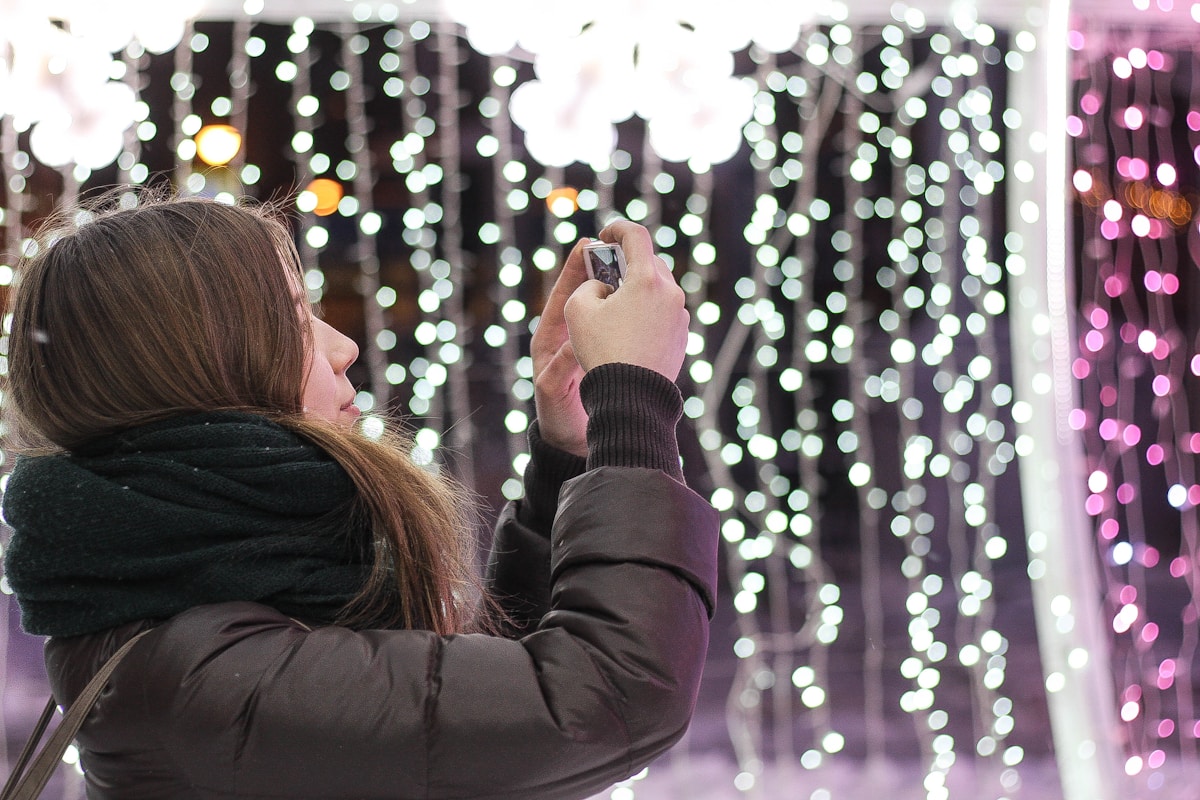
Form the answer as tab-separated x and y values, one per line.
597	64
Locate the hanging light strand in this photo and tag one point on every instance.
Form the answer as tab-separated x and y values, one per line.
452	353
508	200
368	222
183	87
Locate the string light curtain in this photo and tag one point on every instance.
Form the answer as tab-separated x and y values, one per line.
1134	125
849	402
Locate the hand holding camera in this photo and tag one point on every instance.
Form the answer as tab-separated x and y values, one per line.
644	322
588	322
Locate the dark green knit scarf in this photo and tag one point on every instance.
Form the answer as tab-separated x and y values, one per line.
198	509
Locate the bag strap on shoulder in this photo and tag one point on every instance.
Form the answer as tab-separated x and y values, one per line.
22	785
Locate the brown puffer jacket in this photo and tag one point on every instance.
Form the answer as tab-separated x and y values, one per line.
238	700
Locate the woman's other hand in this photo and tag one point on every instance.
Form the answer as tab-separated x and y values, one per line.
562	422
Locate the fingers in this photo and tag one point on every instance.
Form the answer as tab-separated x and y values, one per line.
569	279
639	249
635	241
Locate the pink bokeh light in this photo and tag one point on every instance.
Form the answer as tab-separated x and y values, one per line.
1131	435
1150	558
1109	529
1155	454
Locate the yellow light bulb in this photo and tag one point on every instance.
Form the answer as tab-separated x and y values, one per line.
218	144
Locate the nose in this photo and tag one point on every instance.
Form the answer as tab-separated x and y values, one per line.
347	351
334	346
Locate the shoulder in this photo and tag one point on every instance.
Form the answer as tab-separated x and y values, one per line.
242	692
71	661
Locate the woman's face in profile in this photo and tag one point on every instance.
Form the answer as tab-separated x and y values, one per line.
327	393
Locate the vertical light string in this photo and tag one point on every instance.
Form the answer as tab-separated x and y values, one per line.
648	211
504	334
360	206
459	426
701	399
392	85
715	373
758	431
1190	528
238	108
978	542
136	62
17	167
410	157
818	99
184	124
959	225
854	413
296	70
916	229
1190	534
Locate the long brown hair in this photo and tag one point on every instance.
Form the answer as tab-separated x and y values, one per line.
123	316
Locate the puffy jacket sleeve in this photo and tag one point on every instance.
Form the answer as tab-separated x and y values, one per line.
632	415
518	569
606	682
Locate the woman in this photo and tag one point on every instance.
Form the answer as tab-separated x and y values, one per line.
192	466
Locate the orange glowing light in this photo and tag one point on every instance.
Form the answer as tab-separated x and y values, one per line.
563	201
218	144
321	197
